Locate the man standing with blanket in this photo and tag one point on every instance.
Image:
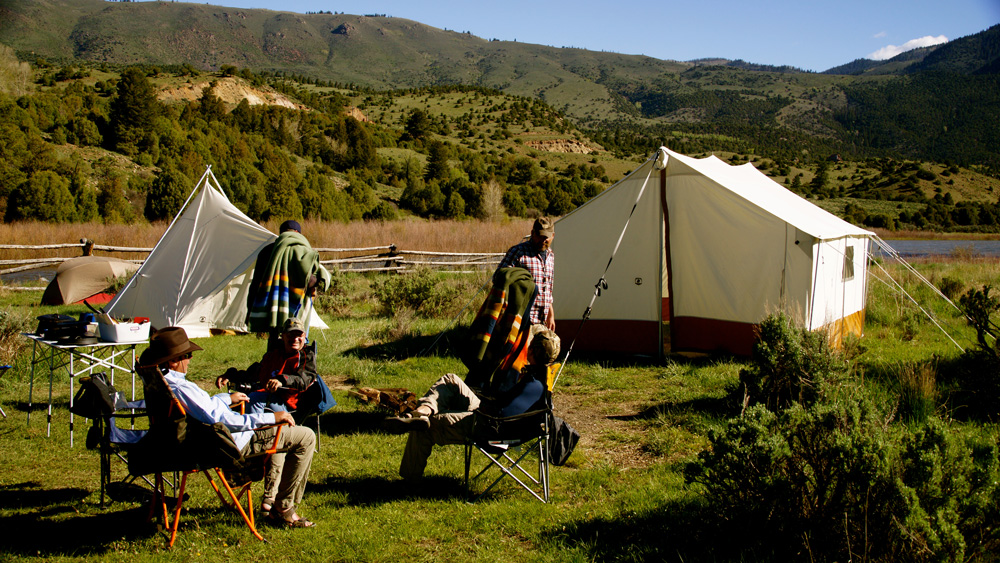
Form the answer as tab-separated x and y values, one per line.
286	271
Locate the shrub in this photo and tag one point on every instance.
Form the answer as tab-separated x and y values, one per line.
831	481
944	499
341	299
972	381
951	287
803	478
788	364
421	291
11	343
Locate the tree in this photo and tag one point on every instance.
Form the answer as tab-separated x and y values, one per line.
132	111
437	162
418	124
212	108
491	201
360	147
166	195
46	197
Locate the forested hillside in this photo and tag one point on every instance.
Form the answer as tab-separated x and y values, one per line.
102	116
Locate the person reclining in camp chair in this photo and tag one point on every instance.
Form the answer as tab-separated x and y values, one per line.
444	414
170	349
277	382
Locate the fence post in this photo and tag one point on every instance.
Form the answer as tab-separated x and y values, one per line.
88	246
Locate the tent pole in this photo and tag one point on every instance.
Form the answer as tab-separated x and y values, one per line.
666	255
603	283
135	275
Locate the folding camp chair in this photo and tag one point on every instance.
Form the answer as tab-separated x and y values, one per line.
113	431
507	442
204	449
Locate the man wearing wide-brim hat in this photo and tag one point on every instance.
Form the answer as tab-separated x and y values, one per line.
170	349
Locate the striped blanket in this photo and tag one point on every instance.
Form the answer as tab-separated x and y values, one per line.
279	283
496	352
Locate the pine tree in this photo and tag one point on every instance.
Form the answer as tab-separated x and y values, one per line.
132	111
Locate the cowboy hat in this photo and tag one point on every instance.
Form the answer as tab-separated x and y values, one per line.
167	344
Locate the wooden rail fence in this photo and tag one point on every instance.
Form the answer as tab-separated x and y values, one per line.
388	258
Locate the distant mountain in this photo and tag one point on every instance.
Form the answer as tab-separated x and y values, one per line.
640	97
975	54
895	65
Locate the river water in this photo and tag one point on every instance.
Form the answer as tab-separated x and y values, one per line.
924	248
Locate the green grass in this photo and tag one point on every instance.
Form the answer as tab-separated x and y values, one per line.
621	497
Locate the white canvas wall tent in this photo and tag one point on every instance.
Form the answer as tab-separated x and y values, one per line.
198	274
709	251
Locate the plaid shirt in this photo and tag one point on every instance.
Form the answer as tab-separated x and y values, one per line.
542	265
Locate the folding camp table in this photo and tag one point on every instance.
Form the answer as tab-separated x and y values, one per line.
78	360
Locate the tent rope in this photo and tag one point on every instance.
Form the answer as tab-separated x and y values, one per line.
914	301
895	255
909	268
602	284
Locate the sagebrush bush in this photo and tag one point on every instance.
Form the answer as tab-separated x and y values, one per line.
803	478
814	465
973	380
422	291
11	343
944	502
788	364
343	296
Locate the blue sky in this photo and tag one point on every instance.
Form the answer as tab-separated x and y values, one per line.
809	35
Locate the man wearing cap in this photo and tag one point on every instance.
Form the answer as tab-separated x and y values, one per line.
277	380
286	271
170	349
444	414
536	256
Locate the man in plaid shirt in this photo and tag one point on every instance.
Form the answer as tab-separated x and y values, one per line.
535	256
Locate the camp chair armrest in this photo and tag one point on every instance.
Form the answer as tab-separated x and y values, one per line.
274	446
139	413
514	417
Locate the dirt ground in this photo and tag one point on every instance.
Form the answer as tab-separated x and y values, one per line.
595	423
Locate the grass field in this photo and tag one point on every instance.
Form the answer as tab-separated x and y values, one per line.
621	497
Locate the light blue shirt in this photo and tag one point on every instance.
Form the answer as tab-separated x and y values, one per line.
215	408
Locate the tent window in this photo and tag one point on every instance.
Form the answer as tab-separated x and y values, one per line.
849	264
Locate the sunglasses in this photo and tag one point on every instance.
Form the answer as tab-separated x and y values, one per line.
187	356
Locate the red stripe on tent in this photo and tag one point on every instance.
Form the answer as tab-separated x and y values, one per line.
633	337
97	299
711	335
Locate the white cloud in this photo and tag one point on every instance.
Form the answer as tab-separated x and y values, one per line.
890	51
880	35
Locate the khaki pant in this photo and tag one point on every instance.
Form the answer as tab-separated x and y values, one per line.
452	402
287	472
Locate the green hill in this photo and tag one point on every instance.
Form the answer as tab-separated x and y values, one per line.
934	109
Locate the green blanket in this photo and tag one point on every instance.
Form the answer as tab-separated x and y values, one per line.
279	283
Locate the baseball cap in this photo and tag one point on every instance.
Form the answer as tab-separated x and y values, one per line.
544	344
293	324
290	225
543	226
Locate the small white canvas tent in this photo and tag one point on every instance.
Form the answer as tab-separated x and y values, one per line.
709	251
198	274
